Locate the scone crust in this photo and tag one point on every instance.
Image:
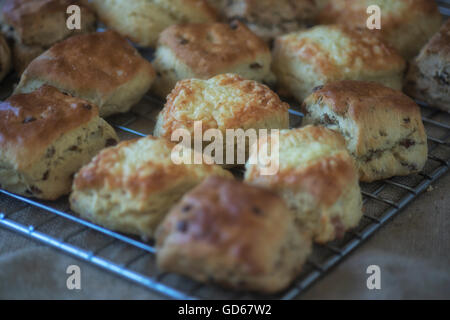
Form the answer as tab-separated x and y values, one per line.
208	49
223	102
42	22
30	122
406	24
382	120
94	67
233	234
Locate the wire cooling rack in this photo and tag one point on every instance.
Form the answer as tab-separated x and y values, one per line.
382	201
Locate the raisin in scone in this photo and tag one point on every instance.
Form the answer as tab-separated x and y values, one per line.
233	234
428	78
101	67
35	25
45	138
307	59
224	102
142	20
406	25
383	127
202	51
130	187
316	176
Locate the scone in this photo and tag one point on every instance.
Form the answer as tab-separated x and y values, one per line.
5	58
383	127
272	18
100	67
406	25
224	102
45	138
307	59
202	51
317	178
428	78
142	20
35	25
233	234
130	187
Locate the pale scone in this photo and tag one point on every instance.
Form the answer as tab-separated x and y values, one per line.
45	138
406	25
35	25
224	102
100	67
428	78
130	187
383	127
271	18
142	20
5	58
317	178
233	234
307	59
202	51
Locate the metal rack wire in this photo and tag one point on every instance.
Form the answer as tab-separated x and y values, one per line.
382	201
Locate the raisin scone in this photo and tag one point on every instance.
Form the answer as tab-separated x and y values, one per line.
5	58
143	20
406	25
130	187
45	138
272	18
202	51
233	234
101	67
224	102
307	59
428	78
383	127
35	25
316	176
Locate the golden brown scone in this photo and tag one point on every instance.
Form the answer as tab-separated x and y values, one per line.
428	78
202	51
35	25
45	137
224	102
383	127
5	58
143	20
317	178
406	25
233	234
130	187
307	59
272	18
100	67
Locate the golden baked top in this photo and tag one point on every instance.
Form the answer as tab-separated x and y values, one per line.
209	48
338	51
140	166
226	101
29	123
99	62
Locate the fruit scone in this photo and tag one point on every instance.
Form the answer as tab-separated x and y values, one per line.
428	78
227	103
383	127
130	187
240	236
205	50
101	67
323	54
45	138
316	176
35	25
